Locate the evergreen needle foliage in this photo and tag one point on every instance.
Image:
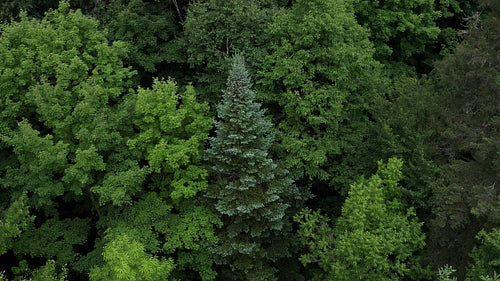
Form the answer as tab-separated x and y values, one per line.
250	191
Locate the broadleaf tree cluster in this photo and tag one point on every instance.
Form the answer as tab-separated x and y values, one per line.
368	147
322	76
375	237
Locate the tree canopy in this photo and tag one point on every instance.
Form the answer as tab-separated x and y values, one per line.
249	140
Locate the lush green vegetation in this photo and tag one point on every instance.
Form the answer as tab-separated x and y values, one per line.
249	140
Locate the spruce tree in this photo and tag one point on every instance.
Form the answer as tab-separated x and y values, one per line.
251	192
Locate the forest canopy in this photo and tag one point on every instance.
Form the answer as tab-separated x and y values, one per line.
249	140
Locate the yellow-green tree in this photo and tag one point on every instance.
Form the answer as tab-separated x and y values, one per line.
374	239
63	92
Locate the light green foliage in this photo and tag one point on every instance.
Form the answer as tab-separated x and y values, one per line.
445	272
64	120
160	232
140	221
173	129
250	191
375	237
43	63
59	74
317	234
48	272
215	29
120	186
189	229
322	75
169	221
190	234
126	260
486	257
12	222
38	157
494	277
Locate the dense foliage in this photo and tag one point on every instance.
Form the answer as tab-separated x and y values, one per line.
252	193
322	75
373	239
368	147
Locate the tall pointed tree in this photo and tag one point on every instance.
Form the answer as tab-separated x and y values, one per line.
251	192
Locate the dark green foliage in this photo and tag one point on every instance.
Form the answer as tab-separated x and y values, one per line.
215	29
47	272
375	237
322	75
399	29
402	130
149	28
467	140
411	33
250	191
470	134
10	9
102	173
53	239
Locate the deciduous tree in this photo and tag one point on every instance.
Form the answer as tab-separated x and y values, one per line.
322	80
63	127
486	256
214	30
374	239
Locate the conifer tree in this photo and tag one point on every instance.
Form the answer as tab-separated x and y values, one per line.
467	141
251	192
